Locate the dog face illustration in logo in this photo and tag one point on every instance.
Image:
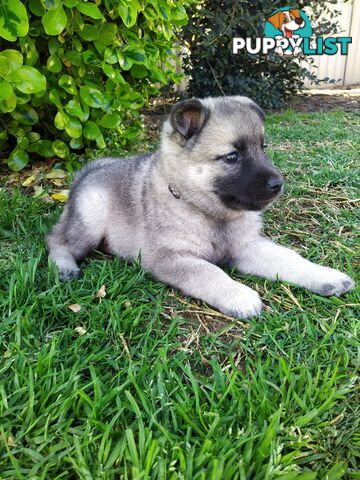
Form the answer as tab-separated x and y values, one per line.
287	22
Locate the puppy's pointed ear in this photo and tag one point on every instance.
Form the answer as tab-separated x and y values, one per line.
276	20
188	117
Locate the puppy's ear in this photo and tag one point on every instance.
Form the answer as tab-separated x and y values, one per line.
276	20
258	111
295	12
188	117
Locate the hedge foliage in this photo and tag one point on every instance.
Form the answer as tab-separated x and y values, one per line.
74	73
214	70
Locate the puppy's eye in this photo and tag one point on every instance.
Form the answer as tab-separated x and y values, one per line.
233	157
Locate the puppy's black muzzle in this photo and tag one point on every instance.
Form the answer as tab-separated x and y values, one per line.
250	190
274	183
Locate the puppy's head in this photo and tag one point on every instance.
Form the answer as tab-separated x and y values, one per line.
213	151
287	22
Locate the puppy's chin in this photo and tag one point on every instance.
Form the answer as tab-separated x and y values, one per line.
253	205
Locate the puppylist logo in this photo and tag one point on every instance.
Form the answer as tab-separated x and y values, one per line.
288	32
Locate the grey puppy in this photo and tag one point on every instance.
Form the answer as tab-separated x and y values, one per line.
190	207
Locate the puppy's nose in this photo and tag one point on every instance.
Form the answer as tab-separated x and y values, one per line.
299	21
275	183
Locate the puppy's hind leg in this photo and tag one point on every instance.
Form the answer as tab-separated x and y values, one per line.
65	261
67	244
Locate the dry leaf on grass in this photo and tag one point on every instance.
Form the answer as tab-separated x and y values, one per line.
38	189
10	442
56	173
101	293
61	196
75	307
80	330
58	182
29	180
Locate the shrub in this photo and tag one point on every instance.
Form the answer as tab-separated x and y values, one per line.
74	73
214	70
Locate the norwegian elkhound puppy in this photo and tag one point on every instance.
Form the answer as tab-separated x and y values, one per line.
188	208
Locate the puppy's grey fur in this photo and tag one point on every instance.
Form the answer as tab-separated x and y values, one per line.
189	208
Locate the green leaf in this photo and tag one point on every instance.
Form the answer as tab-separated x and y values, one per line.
92	132
112	73
36	8
89	32
54	64
90	58
128	13
76	143
13	20
109	102
133	100
73	127
107	33
158	75
22	142
68	84
91	96
125	62
54	45
3	66
6	90
28	49
89	9
139	71
54	97
110	56
42	147
150	15
25	115
70	3
18	159
60	120
162	9
51	4
33	137
111	120
60	149
74	58
75	109
54	21
134	53
22	98
17	131
12	59
8	104
179	16
28	80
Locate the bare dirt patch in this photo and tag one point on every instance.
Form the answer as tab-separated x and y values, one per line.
347	99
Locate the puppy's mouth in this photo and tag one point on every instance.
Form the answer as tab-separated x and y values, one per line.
288	32
242	204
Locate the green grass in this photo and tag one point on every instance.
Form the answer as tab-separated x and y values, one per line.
160	386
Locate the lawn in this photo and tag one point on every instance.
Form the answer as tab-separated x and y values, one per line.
144	383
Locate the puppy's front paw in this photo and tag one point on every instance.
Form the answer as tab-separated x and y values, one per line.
332	282
242	302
